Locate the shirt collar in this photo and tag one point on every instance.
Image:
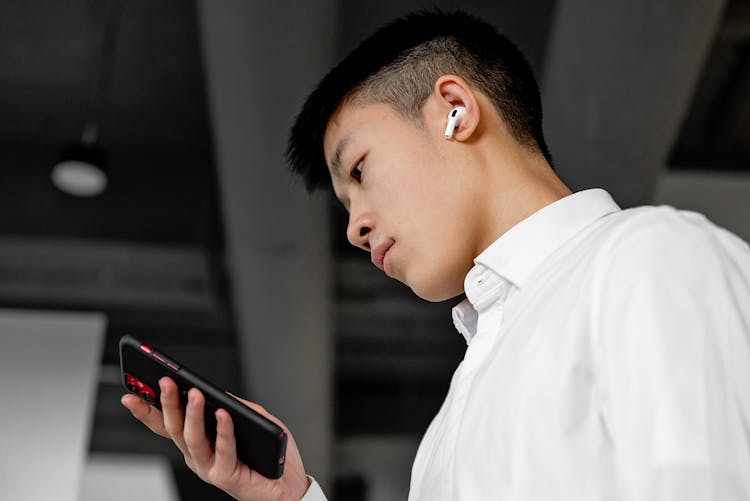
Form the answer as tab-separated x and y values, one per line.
465	319
520	250
512	258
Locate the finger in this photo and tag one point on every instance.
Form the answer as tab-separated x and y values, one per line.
174	416
147	414
189	463
225	450
195	431
259	409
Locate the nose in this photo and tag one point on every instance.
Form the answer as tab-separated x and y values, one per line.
358	230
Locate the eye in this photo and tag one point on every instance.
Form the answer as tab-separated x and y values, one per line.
356	172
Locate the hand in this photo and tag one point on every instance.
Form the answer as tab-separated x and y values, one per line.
219	465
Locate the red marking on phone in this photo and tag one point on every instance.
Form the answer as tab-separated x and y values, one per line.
281	460
146	348
172	366
159	358
138	387
281	435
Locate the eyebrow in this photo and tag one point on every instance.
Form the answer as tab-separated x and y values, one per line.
336	158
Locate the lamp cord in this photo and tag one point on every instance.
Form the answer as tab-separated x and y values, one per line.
104	74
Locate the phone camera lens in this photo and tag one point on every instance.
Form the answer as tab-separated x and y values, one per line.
131	387
147	397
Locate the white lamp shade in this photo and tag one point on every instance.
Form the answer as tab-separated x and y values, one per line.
79	178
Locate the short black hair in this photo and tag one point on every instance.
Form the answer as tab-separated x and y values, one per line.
399	65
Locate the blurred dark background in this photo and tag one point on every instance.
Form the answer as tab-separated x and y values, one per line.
203	245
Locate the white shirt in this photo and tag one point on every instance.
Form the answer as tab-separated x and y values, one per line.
608	359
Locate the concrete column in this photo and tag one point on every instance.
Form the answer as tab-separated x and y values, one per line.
261	59
49	367
618	80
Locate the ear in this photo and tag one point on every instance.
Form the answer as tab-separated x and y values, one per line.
451	91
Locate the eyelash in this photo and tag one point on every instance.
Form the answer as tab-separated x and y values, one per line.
357	173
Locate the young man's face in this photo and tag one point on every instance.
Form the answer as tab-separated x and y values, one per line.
411	199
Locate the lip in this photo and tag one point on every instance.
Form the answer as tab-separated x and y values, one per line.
378	255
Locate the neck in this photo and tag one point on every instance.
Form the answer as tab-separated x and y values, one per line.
519	187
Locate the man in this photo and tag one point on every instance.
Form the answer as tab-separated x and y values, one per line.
608	350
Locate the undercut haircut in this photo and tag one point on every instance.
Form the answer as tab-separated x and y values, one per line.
399	65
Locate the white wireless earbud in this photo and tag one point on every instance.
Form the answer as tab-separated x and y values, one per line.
454	118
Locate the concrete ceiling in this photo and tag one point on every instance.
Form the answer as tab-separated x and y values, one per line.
156	129
154	123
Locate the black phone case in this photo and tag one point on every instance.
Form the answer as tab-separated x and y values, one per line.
261	444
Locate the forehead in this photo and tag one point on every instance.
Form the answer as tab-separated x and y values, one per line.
348	119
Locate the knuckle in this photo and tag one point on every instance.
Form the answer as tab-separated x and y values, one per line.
191	464
141	414
172	430
216	477
200	473
158	431
191	440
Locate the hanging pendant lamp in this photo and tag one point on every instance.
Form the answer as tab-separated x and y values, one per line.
82	169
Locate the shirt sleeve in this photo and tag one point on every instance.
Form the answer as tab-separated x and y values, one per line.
673	339
314	492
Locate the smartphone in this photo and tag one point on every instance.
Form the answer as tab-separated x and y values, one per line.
261	443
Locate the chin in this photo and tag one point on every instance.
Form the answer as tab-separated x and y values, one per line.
434	293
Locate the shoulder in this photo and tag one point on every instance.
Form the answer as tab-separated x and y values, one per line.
652	258
658	225
659	238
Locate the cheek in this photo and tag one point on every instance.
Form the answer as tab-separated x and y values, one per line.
421	191
439	254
